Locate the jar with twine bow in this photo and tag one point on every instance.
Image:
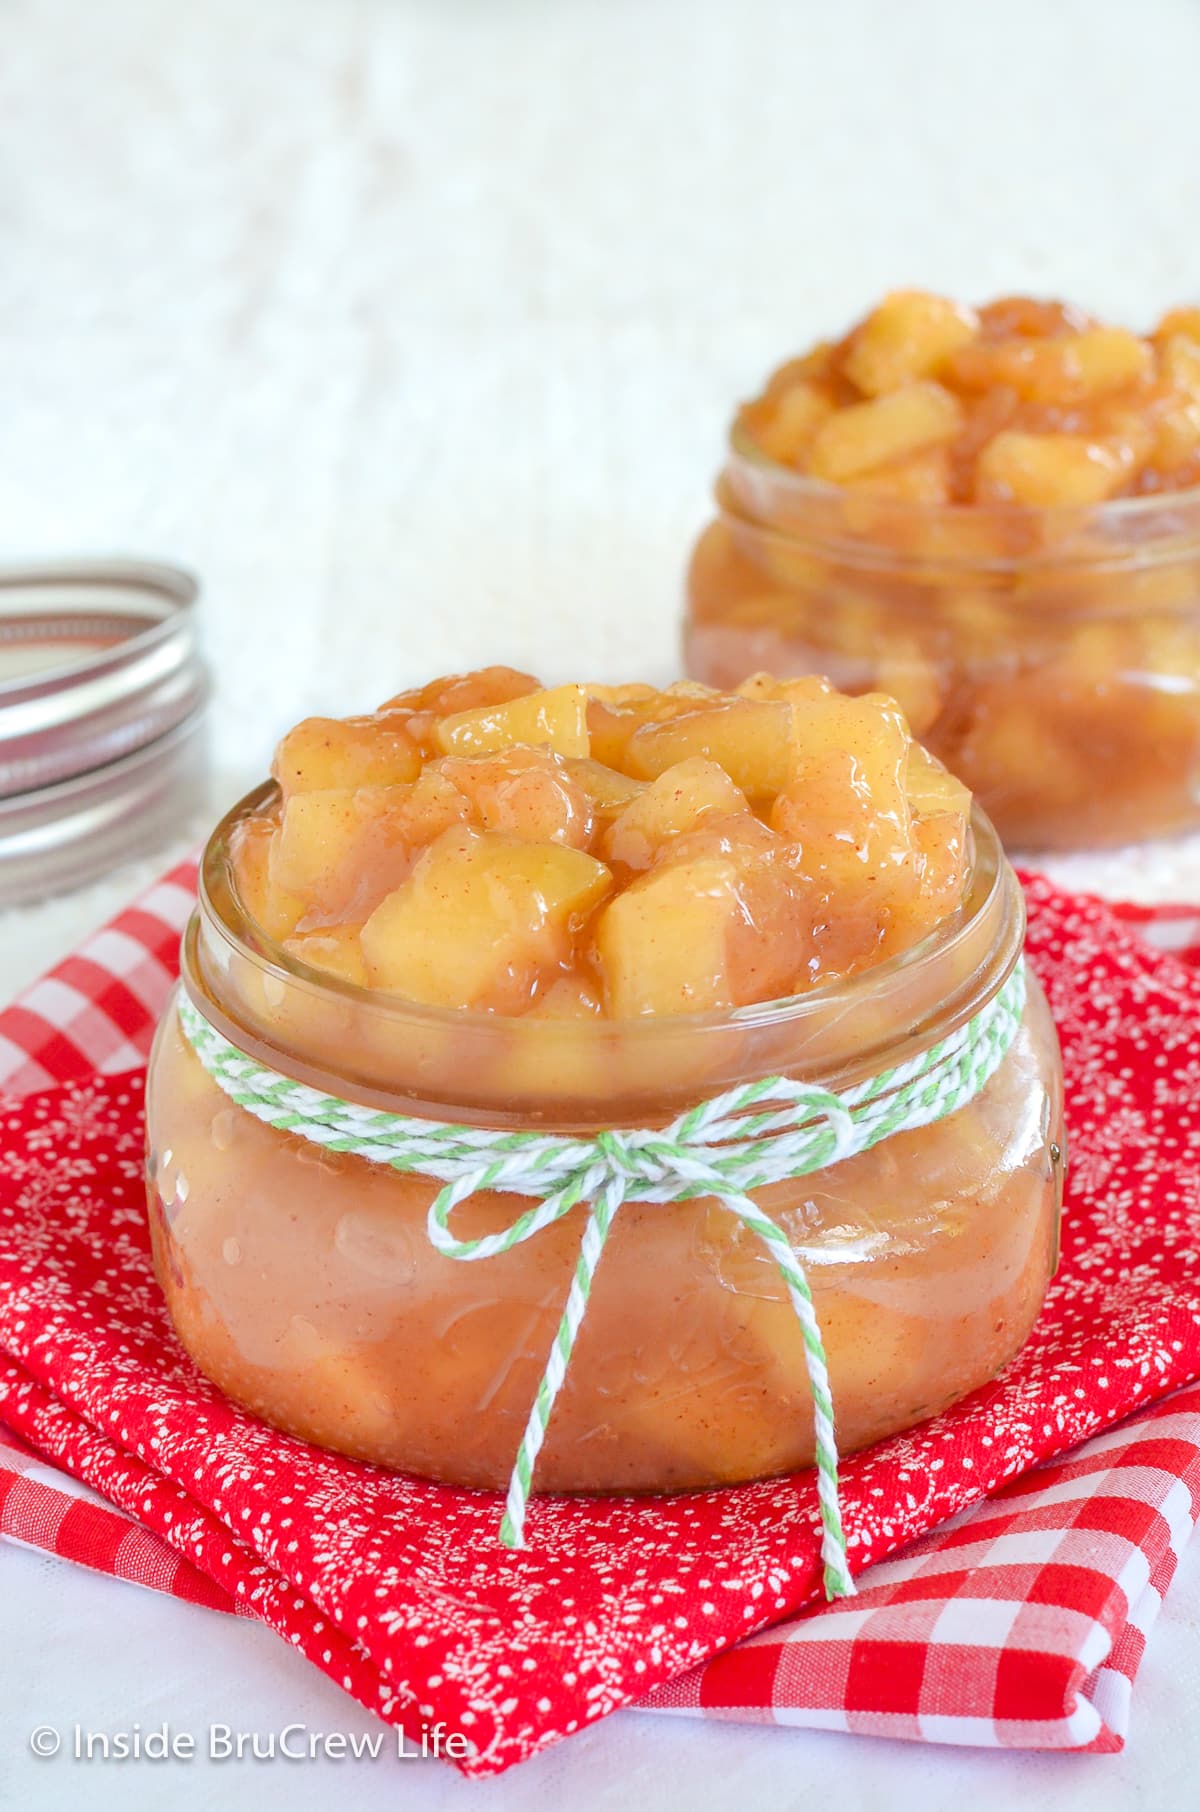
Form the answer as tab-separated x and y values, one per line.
613	1257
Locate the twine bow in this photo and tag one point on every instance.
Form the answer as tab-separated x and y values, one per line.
726	1148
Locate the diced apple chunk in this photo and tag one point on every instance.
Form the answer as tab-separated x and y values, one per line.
844	846
932	788
888	428
464	692
717	1417
848	815
344	848
942	860
1048	469
766	686
663	944
1177	432
872	731
818	363
677	801
324	752
607	788
1109	358
615	713
789	420
571	997
1181	363
1028	318
910	335
482	921
749	738
1179	320
1035	750
1064	369
910	675
921	478
634	692
336	950
555	719
528	793
252	851
770	944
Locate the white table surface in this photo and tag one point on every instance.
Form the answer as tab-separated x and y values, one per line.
412	325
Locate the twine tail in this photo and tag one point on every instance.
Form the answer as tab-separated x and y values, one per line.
838	1582
595	1235
837	1579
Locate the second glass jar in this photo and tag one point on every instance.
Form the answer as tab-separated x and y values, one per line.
1051	658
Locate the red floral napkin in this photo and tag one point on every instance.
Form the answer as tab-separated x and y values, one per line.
399	1590
1018	1624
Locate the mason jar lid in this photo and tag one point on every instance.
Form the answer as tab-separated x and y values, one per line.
103	694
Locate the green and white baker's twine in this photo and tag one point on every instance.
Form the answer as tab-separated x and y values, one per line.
739	1142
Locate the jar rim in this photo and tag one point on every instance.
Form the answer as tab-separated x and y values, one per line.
821	1031
745	448
1141	530
218	892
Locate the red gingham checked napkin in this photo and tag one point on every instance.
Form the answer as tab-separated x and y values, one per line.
1019	1621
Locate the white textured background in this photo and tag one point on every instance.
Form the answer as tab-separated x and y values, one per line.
413	326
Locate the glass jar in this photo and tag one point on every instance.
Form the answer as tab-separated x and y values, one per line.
1051	657
303	1282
